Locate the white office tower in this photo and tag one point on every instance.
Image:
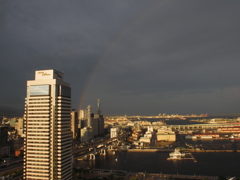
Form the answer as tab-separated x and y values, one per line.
113	132
82	114
89	124
48	141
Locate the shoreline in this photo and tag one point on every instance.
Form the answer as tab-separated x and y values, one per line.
170	150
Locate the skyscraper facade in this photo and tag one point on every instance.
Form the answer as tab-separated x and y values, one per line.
100	119
47	127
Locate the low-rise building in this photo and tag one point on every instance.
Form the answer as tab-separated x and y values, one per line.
136	135
145	139
166	134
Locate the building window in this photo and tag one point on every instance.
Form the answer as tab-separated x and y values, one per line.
64	91
40	90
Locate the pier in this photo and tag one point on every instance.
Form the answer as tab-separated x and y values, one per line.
149	150
192	157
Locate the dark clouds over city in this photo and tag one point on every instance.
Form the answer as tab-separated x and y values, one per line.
139	57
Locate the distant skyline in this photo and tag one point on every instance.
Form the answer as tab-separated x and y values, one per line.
138	57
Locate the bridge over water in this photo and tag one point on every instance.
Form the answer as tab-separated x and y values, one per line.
93	152
93	149
94	145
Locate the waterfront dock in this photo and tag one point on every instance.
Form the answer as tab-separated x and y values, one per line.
191	156
161	176
149	150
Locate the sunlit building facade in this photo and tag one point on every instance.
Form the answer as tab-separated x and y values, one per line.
47	127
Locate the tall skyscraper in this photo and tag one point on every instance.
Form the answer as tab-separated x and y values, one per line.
86	131
47	127
98	107
75	126
100	119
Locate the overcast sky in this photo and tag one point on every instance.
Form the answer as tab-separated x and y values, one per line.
139	57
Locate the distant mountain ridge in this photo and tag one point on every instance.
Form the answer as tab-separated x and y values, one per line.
10	112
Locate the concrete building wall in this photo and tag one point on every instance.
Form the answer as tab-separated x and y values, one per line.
166	137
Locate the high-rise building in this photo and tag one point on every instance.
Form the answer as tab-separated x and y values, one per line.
100	119
83	119
47	127
82	114
91	125
74	125
87	131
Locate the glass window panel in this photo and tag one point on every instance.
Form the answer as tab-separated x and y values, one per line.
65	91
39	90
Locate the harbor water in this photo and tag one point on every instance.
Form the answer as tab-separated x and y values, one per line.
208	164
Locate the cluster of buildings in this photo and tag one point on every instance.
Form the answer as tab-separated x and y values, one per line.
11	136
4	147
147	136
84	127
50	127
16	124
142	134
89	125
183	117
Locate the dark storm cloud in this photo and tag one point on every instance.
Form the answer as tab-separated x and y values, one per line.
151	57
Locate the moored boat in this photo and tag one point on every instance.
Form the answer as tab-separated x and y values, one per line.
176	154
